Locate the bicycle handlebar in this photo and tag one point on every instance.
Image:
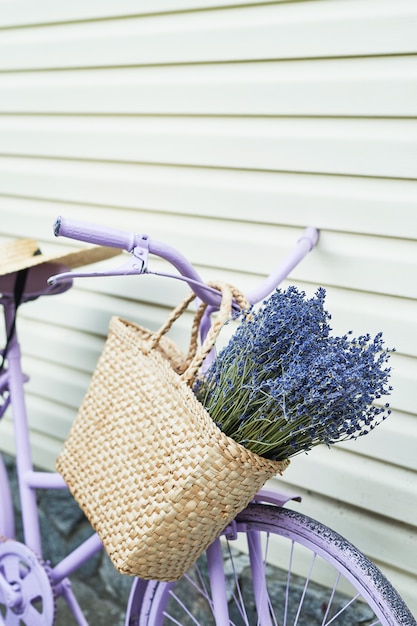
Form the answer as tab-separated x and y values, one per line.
95	234
114	238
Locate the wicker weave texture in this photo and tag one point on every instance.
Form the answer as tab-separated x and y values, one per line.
154	475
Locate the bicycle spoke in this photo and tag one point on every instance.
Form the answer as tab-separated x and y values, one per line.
184	608
330	602
237	599
343	609
172	619
265	588
307	582
201	589
287	588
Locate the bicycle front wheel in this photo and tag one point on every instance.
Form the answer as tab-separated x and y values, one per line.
321	579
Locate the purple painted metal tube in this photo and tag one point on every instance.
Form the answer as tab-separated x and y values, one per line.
80	555
6	508
260	590
305	244
44	480
217	583
23	451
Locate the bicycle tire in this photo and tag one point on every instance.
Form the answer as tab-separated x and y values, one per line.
293	599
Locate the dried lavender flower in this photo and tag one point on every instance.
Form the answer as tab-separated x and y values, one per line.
284	384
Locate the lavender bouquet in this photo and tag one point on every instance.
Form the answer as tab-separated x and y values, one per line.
284	384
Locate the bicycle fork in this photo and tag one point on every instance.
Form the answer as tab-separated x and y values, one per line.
218	583
258	567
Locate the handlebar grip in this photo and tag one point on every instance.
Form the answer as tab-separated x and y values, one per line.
91	233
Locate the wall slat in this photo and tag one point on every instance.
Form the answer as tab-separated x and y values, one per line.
284	31
335	87
341	203
21	13
396	487
349	147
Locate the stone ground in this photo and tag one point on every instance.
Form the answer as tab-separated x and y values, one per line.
103	593
98	611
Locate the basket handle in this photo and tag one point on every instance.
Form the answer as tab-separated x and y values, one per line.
194	360
228	293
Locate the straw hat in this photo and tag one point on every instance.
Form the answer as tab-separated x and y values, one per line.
24	253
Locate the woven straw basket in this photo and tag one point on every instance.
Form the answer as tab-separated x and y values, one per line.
153	473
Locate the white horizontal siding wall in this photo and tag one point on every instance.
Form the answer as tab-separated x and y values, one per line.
225	130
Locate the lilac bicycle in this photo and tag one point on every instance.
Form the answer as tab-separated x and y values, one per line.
232	582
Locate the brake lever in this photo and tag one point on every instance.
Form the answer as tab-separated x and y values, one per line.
136	264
